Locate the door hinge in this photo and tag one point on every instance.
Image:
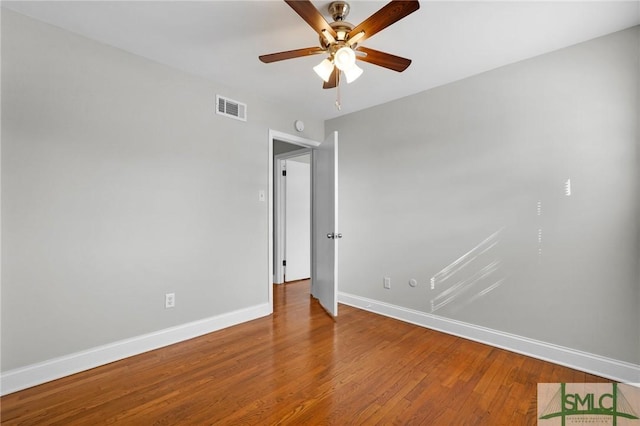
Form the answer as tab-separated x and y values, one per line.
284	173
284	263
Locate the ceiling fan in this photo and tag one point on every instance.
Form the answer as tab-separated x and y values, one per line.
340	40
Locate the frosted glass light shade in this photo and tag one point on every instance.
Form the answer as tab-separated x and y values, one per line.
344	58
352	73
324	69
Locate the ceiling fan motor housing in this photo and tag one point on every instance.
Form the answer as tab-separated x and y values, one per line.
339	11
342	29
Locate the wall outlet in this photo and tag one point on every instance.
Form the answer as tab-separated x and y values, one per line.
169	300
387	282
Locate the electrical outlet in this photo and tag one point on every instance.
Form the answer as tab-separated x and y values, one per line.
387	282
169	300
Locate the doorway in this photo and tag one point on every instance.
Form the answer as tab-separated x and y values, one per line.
324	217
292	213
281	147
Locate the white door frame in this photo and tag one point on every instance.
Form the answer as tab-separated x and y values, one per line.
303	143
280	220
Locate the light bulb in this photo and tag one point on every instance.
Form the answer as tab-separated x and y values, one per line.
324	69
344	58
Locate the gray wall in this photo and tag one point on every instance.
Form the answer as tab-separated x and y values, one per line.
119	184
478	168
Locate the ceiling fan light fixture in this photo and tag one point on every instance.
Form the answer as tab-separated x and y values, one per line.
324	69
344	58
352	73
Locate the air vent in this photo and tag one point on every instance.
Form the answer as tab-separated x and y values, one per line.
230	108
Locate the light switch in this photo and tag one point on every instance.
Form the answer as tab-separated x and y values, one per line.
261	195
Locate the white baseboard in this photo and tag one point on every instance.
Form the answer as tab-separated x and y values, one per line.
36	374
594	364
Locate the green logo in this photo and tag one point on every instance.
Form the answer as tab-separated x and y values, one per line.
584	403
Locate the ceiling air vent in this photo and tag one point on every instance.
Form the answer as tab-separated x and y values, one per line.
230	108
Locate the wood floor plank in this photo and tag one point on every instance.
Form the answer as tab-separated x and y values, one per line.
299	366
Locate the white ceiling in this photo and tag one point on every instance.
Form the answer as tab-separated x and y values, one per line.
447	40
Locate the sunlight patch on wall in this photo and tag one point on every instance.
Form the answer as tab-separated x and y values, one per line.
468	278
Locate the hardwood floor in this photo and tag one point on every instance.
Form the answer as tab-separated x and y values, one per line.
301	367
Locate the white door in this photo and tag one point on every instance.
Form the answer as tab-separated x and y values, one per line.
324	274
298	218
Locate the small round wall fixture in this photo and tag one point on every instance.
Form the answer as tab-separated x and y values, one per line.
299	125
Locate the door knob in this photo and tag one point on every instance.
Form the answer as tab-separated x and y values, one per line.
333	236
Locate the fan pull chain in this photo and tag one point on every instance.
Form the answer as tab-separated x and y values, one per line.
338	101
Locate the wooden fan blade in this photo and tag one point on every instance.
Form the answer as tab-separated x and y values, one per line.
311	15
334	80
290	54
389	14
383	59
